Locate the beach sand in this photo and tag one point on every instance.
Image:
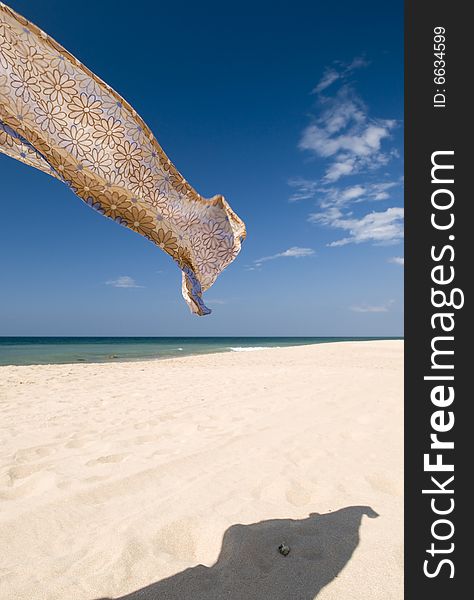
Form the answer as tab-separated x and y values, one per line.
178	479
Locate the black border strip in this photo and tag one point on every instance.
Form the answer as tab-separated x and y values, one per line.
430	128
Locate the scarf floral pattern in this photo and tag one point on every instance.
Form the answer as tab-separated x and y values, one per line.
59	117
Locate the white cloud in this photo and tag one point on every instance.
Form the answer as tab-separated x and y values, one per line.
381	228
362	141
357	63
351	193
329	77
340	168
293	252
367	308
305	189
344	134
397	260
332	74
337	196
351	143
124	281
334	196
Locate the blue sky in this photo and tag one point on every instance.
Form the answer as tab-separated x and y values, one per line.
292	110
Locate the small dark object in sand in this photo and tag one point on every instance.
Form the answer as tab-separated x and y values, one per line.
284	549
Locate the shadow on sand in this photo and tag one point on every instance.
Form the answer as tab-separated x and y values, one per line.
250	567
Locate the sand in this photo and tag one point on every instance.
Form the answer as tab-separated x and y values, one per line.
178	479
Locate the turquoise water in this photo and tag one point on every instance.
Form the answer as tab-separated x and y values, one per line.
58	350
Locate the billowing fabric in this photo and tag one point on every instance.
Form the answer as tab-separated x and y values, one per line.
59	117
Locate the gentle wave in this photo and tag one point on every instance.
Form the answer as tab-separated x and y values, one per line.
249	348
70	350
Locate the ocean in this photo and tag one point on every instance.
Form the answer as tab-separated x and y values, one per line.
64	350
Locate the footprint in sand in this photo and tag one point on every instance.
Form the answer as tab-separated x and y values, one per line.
20	486
178	539
381	483
94	479
168	417
297	495
22	471
76	444
144	439
206	427
111	458
27	454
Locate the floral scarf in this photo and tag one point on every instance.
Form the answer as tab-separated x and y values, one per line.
59	117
